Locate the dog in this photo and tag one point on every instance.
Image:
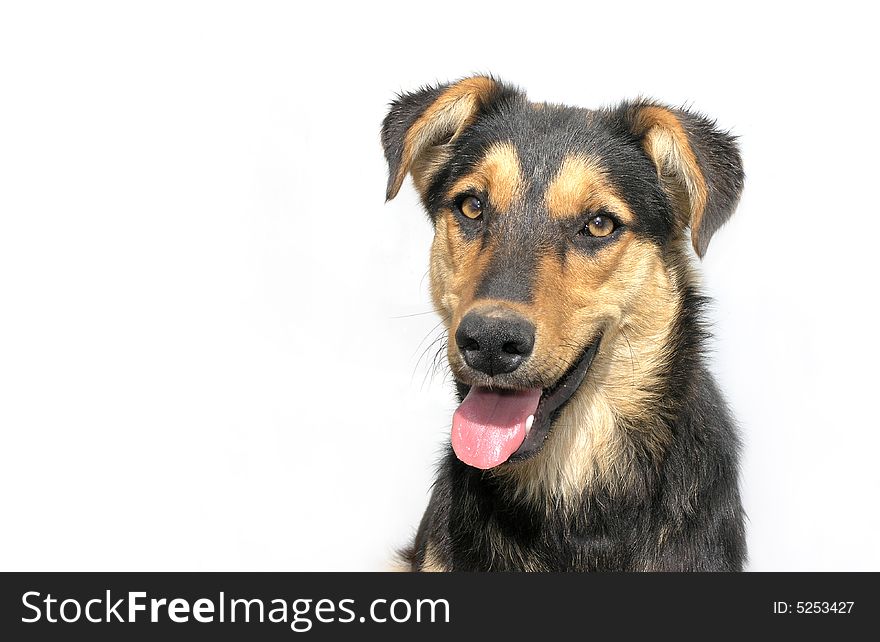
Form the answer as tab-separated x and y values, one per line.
591	435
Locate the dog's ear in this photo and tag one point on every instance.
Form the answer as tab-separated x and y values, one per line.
419	125
699	165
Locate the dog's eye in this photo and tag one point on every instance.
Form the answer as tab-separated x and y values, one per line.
471	207
599	225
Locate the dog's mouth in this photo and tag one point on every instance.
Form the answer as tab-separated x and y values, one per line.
491	427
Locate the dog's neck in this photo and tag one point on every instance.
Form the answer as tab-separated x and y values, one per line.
622	413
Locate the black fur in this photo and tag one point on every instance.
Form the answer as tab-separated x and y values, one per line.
679	510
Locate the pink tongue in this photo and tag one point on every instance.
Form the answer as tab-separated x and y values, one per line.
488	426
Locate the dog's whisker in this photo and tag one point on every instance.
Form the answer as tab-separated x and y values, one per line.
436	360
632	358
414	314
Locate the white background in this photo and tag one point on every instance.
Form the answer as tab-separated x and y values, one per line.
211	324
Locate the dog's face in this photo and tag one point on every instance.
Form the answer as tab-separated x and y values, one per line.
554	228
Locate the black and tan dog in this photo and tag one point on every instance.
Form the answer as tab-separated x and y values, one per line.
590	434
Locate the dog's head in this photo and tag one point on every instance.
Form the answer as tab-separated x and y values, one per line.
554	228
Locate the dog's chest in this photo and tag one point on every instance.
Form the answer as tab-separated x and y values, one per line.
508	538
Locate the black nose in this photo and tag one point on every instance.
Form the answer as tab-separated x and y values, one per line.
495	342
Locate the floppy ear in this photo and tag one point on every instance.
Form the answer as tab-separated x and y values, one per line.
420	124
699	166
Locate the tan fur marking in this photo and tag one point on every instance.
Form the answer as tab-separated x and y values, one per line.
666	142
633	303
499	174
455	266
427	164
447	117
581	186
